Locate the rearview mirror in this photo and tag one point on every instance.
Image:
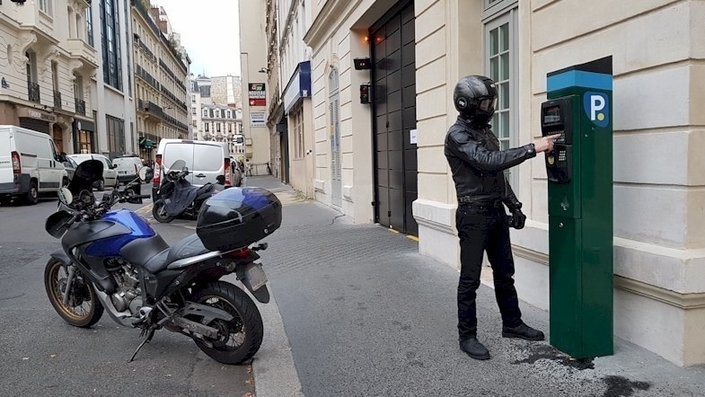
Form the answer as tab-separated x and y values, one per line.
143	173
65	196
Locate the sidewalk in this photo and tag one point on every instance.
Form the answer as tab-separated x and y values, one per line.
364	314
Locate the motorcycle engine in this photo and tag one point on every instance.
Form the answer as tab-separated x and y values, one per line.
128	293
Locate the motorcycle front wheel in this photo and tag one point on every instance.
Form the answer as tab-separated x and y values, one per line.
159	213
83	308
239	339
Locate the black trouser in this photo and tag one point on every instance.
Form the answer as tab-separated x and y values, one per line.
485	229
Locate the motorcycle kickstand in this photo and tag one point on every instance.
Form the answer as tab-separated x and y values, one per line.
146	340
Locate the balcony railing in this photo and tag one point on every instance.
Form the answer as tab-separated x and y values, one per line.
147	77
57	100
80	106
33	92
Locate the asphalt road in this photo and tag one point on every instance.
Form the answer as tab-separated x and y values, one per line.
43	355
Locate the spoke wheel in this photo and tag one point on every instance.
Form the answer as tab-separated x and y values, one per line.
83	308
238	339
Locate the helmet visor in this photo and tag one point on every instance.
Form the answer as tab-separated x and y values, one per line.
487	104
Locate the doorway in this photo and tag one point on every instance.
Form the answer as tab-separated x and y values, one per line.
393	48
58	137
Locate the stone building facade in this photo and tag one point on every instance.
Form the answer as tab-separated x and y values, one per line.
161	69
389	152
48	64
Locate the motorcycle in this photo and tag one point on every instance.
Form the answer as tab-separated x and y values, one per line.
176	196
114	262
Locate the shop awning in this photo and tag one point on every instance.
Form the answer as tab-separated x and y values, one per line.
146	143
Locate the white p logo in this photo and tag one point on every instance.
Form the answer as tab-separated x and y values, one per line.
597	103
596	106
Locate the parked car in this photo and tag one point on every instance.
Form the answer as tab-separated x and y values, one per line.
109	172
29	165
207	161
70	166
127	168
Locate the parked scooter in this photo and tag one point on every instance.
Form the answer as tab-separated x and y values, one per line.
177	197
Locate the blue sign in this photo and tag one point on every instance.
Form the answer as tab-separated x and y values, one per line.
299	85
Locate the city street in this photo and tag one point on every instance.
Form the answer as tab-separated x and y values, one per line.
355	311
43	355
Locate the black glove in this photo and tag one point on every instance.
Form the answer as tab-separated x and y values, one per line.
517	219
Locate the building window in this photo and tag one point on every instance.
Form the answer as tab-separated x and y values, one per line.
89	25
297	120
77	86
205	112
110	37
85	142
193	99
115	129
230	127
45	6
207	127
217	127
501	65
193	111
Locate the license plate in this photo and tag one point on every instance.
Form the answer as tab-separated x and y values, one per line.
256	276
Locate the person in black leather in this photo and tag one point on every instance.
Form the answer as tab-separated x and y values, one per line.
478	165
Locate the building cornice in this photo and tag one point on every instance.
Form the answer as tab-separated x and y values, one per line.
325	20
9	22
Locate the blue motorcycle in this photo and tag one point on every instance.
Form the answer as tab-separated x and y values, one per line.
114	261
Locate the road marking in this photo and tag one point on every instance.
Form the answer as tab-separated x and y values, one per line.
147	209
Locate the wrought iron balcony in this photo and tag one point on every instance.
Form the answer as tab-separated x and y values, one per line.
80	106
33	92
57	100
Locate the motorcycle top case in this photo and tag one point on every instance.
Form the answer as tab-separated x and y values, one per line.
238	217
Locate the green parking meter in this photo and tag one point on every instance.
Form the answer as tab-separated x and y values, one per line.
579	171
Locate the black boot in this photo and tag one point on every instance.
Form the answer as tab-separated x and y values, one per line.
522	331
474	349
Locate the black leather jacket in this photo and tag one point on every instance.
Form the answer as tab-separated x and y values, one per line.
477	164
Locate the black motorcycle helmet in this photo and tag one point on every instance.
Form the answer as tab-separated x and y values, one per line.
475	98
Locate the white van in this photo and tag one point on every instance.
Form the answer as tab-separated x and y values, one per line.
205	160
127	168
29	165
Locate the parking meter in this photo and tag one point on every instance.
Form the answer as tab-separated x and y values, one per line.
579	172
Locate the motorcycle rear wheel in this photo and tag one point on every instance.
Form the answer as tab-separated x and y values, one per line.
246	326
159	213
83	308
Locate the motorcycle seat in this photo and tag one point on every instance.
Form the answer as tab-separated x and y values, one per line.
184	248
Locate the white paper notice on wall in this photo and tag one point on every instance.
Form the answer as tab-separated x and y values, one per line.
412	136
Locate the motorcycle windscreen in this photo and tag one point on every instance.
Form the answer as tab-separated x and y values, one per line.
178	165
56	223
85	175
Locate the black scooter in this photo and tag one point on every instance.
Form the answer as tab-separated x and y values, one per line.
177	197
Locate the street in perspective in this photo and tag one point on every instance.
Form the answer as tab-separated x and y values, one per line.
355	311
319	198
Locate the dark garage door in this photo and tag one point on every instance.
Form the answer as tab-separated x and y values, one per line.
394	116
